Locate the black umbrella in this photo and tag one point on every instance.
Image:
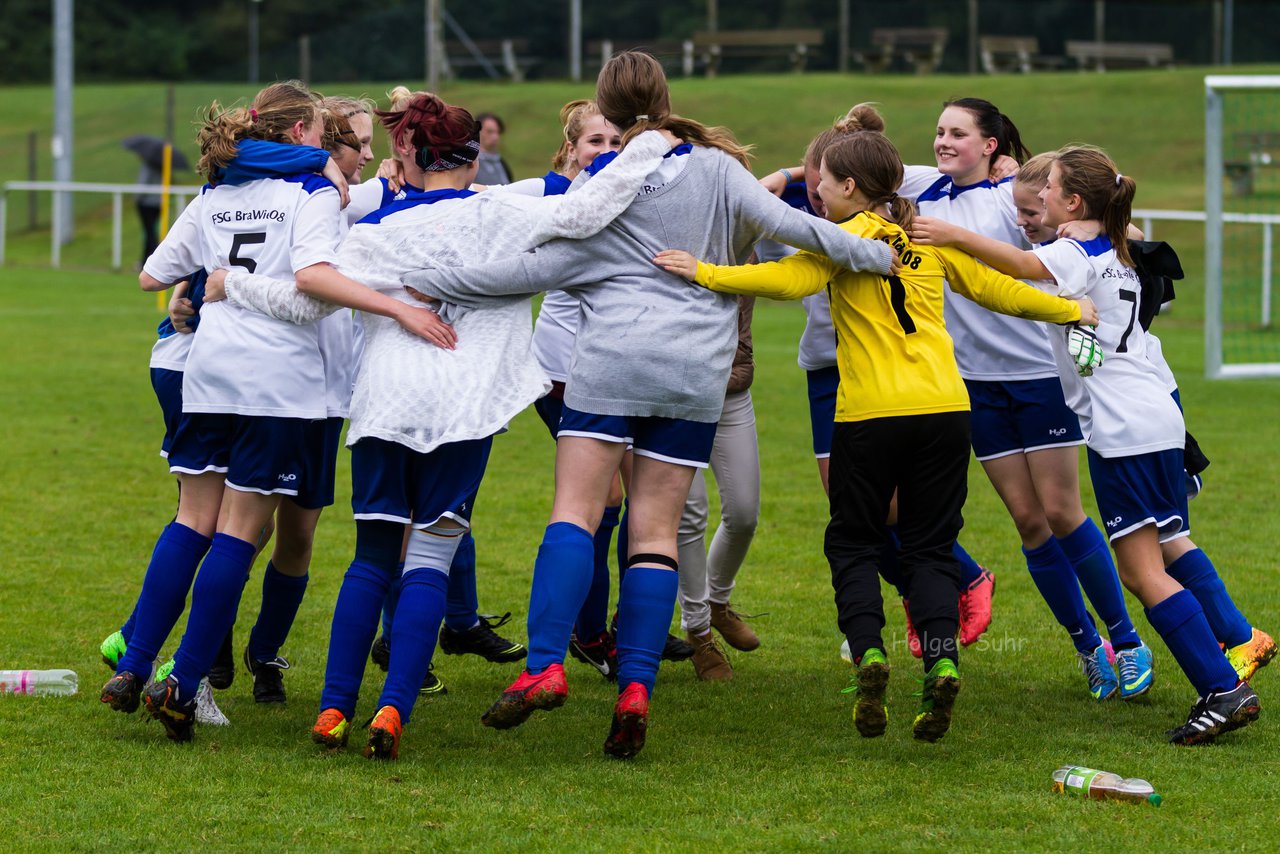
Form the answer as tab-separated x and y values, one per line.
151	150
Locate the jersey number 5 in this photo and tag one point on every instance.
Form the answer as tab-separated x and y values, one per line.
241	240
898	299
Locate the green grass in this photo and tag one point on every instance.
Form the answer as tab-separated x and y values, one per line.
767	761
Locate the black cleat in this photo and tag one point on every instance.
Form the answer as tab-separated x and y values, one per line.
676	649
223	672
380	653
482	640
599	653
431	685
268	678
1217	713
123	692
178	716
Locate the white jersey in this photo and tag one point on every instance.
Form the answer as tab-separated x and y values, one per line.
1124	408
242	361
988	346
165	265
1155	355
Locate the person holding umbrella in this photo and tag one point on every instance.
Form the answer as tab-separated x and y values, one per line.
150	149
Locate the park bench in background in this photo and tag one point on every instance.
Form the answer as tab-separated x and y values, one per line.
508	56
920	48
1261	149
1104	55
672	55
1014	53
794	44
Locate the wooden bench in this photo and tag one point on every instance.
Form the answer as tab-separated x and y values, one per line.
508	56
672	55
710	48
1002	54
920	48
1102	55
1261	149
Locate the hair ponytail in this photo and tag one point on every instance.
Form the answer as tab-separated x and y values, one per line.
443	135
861	117
869	158
1107	195
992	123
273	114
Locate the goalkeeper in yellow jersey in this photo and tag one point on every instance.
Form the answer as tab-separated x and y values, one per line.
902	414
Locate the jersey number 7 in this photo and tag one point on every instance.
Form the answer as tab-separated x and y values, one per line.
241	240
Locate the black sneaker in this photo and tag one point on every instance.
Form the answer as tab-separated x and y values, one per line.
268	678
380	653
223	672
122	692
431	685
1217	713
676	649
482	640
599	653
178	716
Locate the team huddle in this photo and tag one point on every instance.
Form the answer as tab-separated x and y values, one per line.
995	302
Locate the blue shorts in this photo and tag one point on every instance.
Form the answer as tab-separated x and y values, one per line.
671	440
397	484
1146	489
323	440
167	385
549	407
257	453
1020	416
823	385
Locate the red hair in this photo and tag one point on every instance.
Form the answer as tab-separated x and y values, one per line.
429	124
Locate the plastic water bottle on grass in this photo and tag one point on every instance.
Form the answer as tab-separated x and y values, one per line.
1103	785
48	682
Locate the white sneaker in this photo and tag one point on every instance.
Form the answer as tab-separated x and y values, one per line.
207	711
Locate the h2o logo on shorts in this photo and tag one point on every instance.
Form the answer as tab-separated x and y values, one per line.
1057	431
288	478
1111	523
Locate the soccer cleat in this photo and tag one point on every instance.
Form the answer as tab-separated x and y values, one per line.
331	729
123	692
113	649
630	720
710	664
1135	670
207	711
733	628
380	653
1248	657
268	678
384	735
532	691
913	638
1099	673
599	653
676	649
941	685
223	671
1218	713
975	608
869	681
431	684
482	640
177	715
161	673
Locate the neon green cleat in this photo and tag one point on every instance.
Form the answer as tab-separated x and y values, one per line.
941	685
1250	655
869	680
113	649
162	673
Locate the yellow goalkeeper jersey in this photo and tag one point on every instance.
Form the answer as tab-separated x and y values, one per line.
892	348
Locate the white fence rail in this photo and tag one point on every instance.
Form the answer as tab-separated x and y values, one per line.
61	189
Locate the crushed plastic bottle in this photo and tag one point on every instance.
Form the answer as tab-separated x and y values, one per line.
50	682
1103	785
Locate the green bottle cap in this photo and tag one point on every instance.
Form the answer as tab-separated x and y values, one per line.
1155	800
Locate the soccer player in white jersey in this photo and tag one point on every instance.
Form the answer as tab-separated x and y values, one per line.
1024	434
1133	428
253	394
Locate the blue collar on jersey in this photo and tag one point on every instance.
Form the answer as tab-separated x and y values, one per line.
411	199
944	187
555	184
601	161
1097	246
682	148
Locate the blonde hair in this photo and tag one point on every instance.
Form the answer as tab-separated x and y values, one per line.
1087	171
860	117
271	116
632	95
869	158
573	118
400	96
1034	174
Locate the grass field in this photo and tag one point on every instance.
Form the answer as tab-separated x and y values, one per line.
767	761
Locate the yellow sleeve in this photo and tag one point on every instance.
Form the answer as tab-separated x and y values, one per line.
793	277
994	290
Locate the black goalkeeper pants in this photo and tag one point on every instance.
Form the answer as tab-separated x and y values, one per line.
926	459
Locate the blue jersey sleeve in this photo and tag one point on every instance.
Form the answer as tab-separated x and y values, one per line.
195	293
256	159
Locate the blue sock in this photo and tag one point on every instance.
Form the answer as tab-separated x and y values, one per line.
1180	621
215	598
1197	573
890	569
164	594
561	578
970	571
389	604
355	622
281	596
594	616
1090	557
624	553
1056	582
423	592
463	609
645	605
126	631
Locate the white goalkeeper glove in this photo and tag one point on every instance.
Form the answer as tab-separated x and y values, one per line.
1082	344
